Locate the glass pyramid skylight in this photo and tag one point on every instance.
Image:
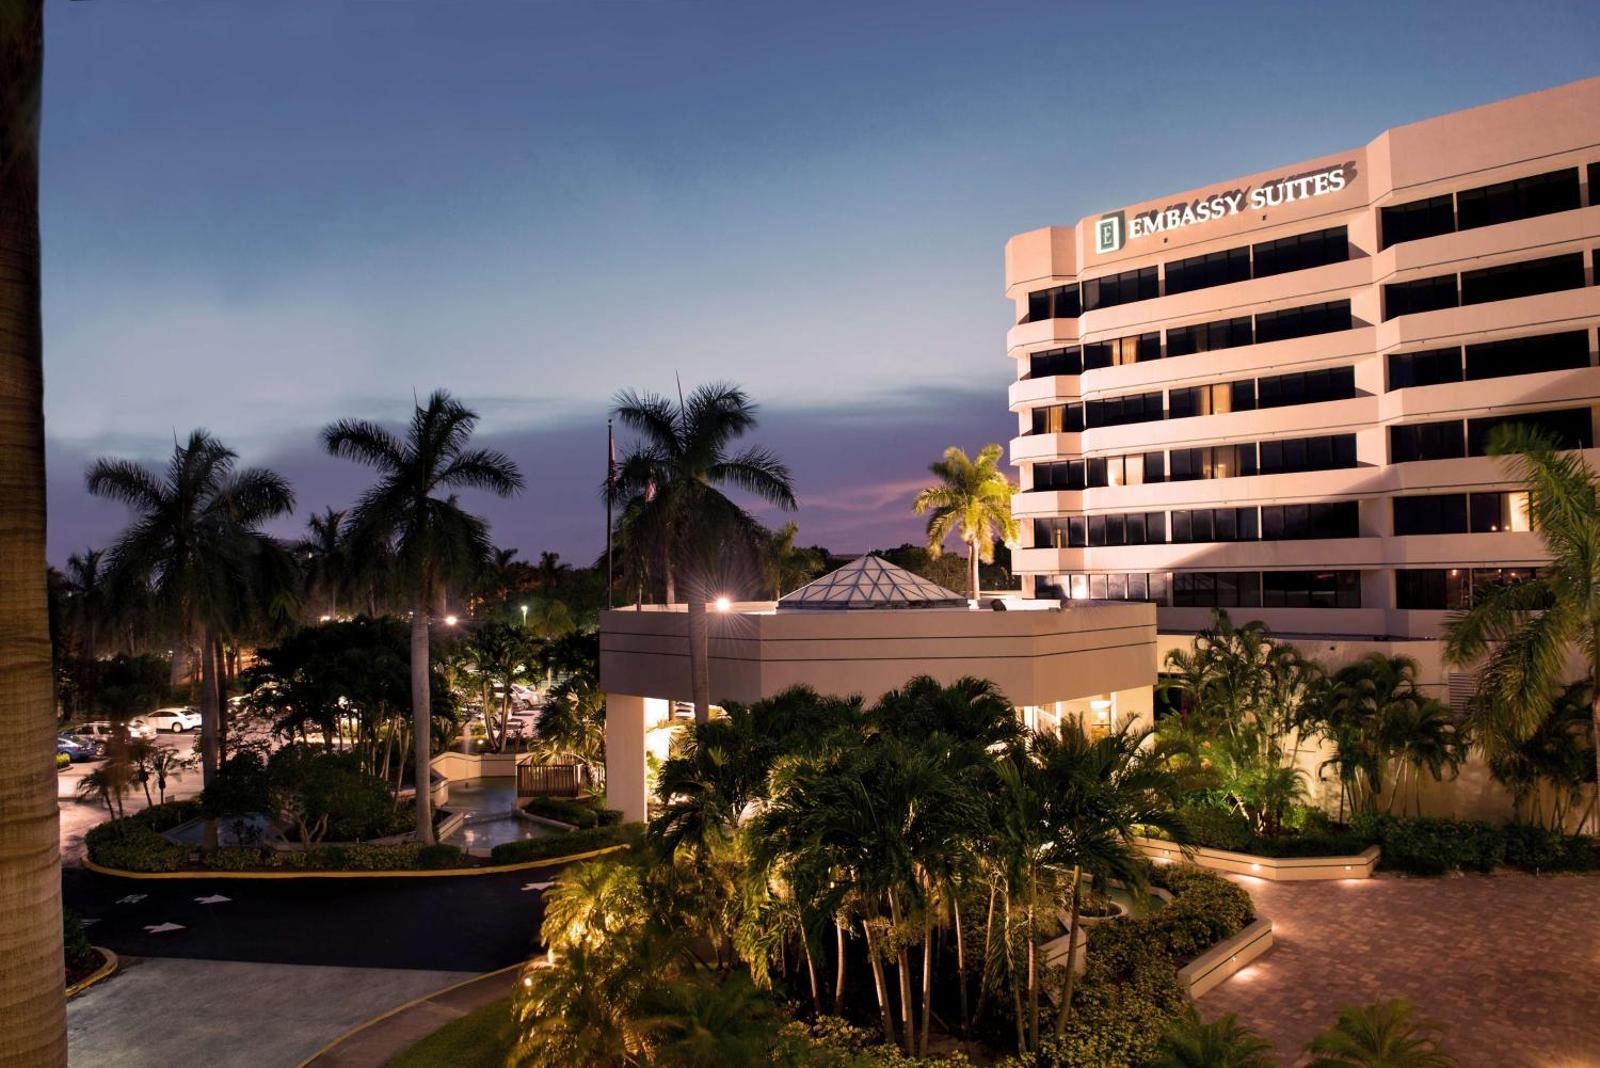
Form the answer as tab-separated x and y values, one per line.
871	582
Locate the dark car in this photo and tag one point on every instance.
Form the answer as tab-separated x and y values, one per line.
79	749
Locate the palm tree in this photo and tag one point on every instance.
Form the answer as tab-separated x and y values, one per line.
674	510
694	1022
433	540
196	545
788	566
1375	715
325	560
1190	1042
502	653
1381	1035
1554	763
1523	632
31	973
86	615
973	499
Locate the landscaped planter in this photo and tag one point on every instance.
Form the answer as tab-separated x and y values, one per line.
1278	869
1226	957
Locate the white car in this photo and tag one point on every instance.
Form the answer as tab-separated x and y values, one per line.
104	730
176	720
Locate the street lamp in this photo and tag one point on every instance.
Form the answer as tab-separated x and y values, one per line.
449	621
524	615
723	604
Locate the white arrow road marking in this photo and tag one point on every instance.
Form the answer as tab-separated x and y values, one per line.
214	899
87	920
538	886
162	928
132	899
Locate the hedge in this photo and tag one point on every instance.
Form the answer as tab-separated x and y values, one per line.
1217	828
558	845
581	814
1430	845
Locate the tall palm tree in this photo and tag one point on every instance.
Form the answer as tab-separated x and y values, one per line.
674	510
435	543
1382	1035
502	653
1524	632
1190	1042
325	560
1365	708
787	566
196	545
31	970
1554	763
973	499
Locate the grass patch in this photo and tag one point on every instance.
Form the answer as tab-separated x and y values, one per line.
480	1039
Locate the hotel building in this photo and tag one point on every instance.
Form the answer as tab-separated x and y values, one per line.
1271	394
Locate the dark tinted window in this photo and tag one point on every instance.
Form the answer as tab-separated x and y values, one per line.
1426	441
1135	348
1058	419
1059	302
1528	355
1522	198
1444	513
1432	588
1303	322
1425	294
1301	251
1426	368
1212	269
1322	453
1205	337
1124	288
1050	533
1323	519
1418	219
1548	275
1570	427
1214	524
1216	589
1306	387
1055	362
1119	411
1066	475
1311	589
1155	467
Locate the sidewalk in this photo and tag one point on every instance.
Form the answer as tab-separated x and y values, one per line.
373	1043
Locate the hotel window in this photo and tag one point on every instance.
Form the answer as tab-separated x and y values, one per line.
1426	441
1303	322
1523	198
1216	589
1418	219
1311	589
1549	275
1323	519
1126	470
1423	295
1059	302
1307	387
1450	588
1444	513
1528	355
1055	362
1214	524
1301	252
1208	337
1322	453
1058	419
1212	269
1124	288
1497	513
1120	411
1217	399
1214	461
1058	476
1570	427
1134	586
1427	368
1050	533
1119	352
1132	528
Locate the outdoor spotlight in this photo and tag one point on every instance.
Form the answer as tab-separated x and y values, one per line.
723	604
449	621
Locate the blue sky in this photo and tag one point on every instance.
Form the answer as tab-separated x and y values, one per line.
259	217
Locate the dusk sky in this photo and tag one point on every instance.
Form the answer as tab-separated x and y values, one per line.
259	217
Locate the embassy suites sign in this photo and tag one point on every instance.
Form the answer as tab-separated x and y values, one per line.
1112	231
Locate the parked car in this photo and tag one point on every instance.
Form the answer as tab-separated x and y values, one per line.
77	750
103	729
176	720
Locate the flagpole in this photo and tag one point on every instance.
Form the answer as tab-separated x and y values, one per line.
611	486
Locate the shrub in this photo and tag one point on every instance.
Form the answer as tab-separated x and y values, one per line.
437	857
1205	909
131	846
1430	845
1537	849
577	813
63	761
166	816
610	817
557	845
232	858
75	942
1217	828
1315	843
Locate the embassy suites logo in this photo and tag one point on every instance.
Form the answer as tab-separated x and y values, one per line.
1112	231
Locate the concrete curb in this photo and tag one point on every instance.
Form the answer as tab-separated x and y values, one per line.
100	974
330	1055
408	873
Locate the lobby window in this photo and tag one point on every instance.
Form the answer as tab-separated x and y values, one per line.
1301	252
1053	362
1497	513
1426	368
1119	352
1426	441
1120	411
1522	198
1443	513
1216	589
1214	524
1217	399
1570	427
1311	589
1307	387
1549	275
1208	337
1322	519
1124	288
1423	295
1050	533
1212	269
1212	461
1418	219
1303	322
1058	302
1325	452
1528	355
1058	419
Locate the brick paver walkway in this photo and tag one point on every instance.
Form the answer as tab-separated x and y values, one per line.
1509	963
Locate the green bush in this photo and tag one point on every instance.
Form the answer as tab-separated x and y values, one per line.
75	942
577	813
169	815
1205	909
610	817
437	857
234	858
1430	845
1217	828
1316	843
131	846
558	845
1537	849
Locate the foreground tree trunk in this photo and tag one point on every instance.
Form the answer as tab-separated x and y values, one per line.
1594	715
32	979
422	719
